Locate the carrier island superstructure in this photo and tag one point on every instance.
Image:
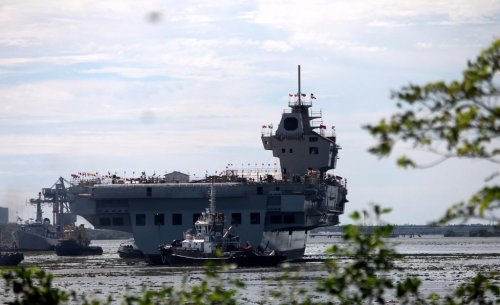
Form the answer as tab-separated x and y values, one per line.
272	211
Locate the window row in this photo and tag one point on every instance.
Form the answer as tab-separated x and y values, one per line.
312	150
159	219
278	218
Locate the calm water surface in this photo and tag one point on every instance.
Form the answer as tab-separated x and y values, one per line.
442	263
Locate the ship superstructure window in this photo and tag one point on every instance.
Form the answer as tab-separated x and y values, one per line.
140	219
159	219
118	221
290	150
291	123
236	218
254	218
176	219
104	221
289	218
313	139
196	216
149	191
283	150
313	150
260	190
275	219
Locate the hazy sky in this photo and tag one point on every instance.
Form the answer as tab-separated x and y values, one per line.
186	85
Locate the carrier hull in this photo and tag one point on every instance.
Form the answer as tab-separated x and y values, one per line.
274	216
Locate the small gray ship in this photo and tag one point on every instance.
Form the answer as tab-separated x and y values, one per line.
273	210
42	235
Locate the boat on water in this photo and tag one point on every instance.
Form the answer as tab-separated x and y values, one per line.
272	206
75	242
211	242
42	235
129	249
11	258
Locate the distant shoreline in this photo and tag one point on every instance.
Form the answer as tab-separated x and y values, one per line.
473	230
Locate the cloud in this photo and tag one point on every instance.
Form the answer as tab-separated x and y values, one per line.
339	23
129	71
276	46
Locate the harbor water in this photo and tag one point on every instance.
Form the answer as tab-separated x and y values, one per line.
442	263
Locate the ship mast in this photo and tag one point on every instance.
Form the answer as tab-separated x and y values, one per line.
212	198
300	103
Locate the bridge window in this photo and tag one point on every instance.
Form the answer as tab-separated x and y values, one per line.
104	221
313	150
118	221
176	219
254	218
275	219
159	219
289	218
291	123
140	219
236	218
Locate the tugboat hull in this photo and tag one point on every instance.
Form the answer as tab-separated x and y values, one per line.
11	258
125	252
176	257
71	248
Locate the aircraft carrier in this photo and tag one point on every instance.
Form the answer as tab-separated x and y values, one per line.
272	209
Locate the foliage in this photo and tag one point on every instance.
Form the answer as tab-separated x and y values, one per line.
465	114
34	286
360	280
455	119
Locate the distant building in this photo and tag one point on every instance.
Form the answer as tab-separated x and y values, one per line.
4	215
176	177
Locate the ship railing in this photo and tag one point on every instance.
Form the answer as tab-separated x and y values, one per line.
293	101
315	114
316	123
267	172
336	180
267	132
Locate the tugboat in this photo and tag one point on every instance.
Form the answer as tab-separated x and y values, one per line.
11	258
129	249
75	242
213	243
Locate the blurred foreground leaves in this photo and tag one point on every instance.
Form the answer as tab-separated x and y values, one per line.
456	119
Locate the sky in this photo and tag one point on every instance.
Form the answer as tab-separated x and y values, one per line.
157	86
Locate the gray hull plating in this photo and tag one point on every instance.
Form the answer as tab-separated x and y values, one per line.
275	215
33	241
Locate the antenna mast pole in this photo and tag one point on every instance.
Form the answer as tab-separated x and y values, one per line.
299	87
